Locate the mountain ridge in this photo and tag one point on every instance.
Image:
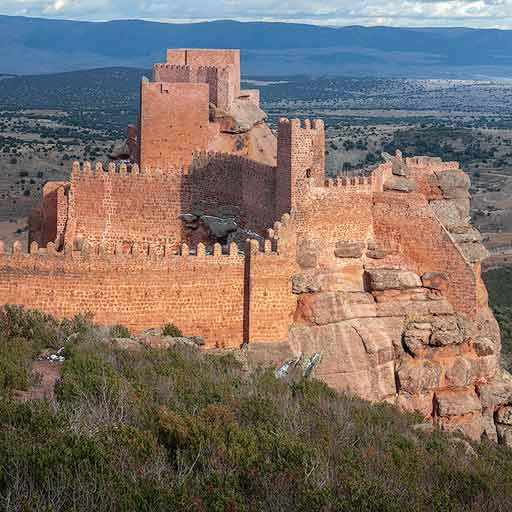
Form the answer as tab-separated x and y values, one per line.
31	46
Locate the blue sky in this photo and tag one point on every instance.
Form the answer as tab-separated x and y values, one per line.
471	13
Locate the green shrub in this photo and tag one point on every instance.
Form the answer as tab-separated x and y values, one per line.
40	328
120	331
171	330
183	429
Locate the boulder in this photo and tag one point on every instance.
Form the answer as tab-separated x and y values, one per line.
504	434
460	373
331	307
305	283
484	369
219	227
452	212
504	415
489	427
474	252
166	342
470	425
497	392
188	218
399	184
457	402
418	376
415	340
435	280
387	279
353	359
243	115
120	150
418	309
484	346
420	403
454	184
465	233
349	249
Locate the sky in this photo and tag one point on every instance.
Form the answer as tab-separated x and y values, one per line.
469	13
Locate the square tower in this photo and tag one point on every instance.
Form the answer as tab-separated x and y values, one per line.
173	123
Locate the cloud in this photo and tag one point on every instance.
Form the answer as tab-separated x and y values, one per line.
475	13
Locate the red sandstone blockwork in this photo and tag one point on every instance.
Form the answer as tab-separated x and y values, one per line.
111	207
201	294
173	123
207	57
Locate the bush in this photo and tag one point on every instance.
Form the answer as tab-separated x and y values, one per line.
120	331
183	429
171	330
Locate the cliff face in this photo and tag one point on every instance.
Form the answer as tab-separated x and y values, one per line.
398	310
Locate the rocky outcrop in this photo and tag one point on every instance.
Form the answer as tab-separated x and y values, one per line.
243	115
401	341
400	184
450	202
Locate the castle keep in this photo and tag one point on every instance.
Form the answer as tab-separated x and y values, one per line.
238	235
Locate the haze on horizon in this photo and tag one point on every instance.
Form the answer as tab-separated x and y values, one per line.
402	13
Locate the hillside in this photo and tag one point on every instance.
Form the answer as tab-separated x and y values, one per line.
179	429
29	45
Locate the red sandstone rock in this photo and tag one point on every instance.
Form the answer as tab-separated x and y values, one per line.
435	280
386	279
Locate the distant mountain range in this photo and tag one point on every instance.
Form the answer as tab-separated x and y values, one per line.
34	45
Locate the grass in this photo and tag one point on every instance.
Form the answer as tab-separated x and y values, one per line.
181	429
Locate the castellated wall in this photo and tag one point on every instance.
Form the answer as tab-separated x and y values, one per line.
141	289
111	207
174	122
197	57
221	81
341	210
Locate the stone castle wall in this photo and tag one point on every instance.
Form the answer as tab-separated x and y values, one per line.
228	298
174	120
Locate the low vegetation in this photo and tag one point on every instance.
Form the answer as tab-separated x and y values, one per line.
181	429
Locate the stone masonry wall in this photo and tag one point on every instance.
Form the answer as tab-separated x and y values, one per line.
414	239
208	57
300	160
141	289
222	184
110	207
174	122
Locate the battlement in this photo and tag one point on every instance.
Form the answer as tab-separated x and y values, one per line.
431	163
352	184
190	68
219	69
122	255
306	124
98	171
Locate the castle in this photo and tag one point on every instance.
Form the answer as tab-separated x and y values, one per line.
381	273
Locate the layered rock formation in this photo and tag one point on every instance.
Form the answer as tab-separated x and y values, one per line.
388	333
